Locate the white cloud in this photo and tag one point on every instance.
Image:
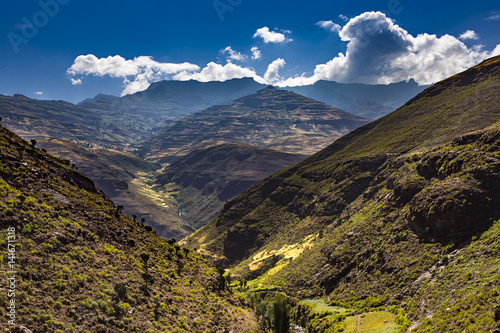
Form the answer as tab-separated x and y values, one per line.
144	69
493	16
272	36
329	25
256	54
343	17
469	34
218	72
38	93
378	51
381	52
233	55
272	72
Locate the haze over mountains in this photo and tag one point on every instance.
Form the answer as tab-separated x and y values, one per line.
169	99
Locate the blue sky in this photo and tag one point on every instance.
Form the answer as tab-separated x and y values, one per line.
73	49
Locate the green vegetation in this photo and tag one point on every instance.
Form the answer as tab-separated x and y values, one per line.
82	265
405	210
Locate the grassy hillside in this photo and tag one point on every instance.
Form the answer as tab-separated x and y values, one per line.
401	212
83	266
270	118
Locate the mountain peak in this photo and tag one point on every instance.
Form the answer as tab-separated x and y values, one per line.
306	125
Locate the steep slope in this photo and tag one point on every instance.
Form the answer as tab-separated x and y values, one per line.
270	118
206	178
80	265
34	119
128	180
403	211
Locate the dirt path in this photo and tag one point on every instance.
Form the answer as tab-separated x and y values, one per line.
358	325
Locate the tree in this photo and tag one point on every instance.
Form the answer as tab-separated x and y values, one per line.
33	142
135	217
145	257
22	198
143	220
281	322
121	291
118	210
146	276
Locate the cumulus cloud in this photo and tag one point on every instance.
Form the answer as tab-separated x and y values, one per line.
329	25
218	72
272	72
144	70
469	34
378	51
256	54
233	55
38	93
381	52
343	17
272	36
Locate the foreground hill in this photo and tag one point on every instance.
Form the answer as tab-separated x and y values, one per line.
270	118
82	266
205	179
403	211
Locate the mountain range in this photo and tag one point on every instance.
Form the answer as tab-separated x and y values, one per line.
166	100
369	101
400	214
34	119
269	118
